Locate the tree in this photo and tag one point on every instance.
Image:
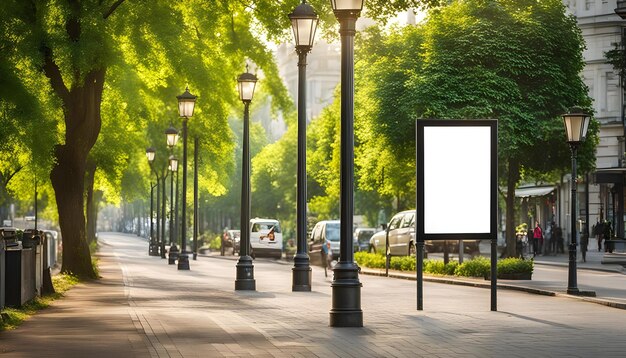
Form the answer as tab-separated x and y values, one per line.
517	61
79	45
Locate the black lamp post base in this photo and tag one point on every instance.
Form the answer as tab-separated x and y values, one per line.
301	278
173	255
245	274
346	296
183	261
162	251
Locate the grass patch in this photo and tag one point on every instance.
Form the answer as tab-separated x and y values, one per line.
13	317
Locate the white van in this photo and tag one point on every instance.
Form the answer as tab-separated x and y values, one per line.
266	238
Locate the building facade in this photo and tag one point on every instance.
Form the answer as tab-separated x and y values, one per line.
602	30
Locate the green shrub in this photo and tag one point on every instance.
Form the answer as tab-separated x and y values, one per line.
477	267
515	265
366	259
215	243
435	267
402	263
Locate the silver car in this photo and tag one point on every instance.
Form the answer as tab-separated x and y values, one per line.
401	235
402	238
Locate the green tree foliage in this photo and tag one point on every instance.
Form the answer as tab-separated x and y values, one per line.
517	61
134	57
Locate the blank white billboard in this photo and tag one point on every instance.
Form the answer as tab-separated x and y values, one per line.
457	179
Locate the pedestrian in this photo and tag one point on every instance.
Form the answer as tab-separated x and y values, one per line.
599	232
608	235
223	242
531	241
584	241
537	238
558	232
547	238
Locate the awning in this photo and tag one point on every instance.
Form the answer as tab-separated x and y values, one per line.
533	191
609	176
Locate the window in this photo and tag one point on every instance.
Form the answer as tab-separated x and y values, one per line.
395	222
408	220
332	232
266	226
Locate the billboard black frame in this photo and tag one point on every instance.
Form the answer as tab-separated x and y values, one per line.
420	235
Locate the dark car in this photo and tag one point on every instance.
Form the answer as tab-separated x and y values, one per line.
362	236
230	238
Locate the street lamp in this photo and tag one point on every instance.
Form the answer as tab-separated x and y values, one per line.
186	105
346	287
576	124
173	167
245	268
304	23
153	249
171	135
160	232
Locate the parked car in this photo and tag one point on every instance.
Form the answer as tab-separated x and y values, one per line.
231	238
266	238
362	236
324	233
402	238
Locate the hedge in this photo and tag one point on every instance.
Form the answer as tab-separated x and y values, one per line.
477	267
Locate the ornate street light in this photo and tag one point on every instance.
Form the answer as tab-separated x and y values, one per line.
172	136
186	105
150	153
245	268
346	287
173	167
304	22
153	247
576	125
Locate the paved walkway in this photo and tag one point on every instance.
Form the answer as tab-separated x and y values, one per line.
143	307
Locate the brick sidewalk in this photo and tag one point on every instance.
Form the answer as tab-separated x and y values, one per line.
144	307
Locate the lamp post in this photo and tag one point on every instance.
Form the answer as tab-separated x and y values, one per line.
153	249
245	268
171	136
195	197
173	254
576	124
304	23
346	287
186	104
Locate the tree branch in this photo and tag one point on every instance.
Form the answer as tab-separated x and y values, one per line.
112	8
52	71
11	175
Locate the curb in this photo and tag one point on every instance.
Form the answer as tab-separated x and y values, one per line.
559	264
478	284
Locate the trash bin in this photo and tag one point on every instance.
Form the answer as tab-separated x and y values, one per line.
34	239
20	267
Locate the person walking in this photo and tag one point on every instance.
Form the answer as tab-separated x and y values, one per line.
608	236
558	232
584	241
599	233
530	237
537	238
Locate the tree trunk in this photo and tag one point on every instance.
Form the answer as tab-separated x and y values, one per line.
91	210
82	123
512	178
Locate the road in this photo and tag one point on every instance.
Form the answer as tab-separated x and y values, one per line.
197	313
